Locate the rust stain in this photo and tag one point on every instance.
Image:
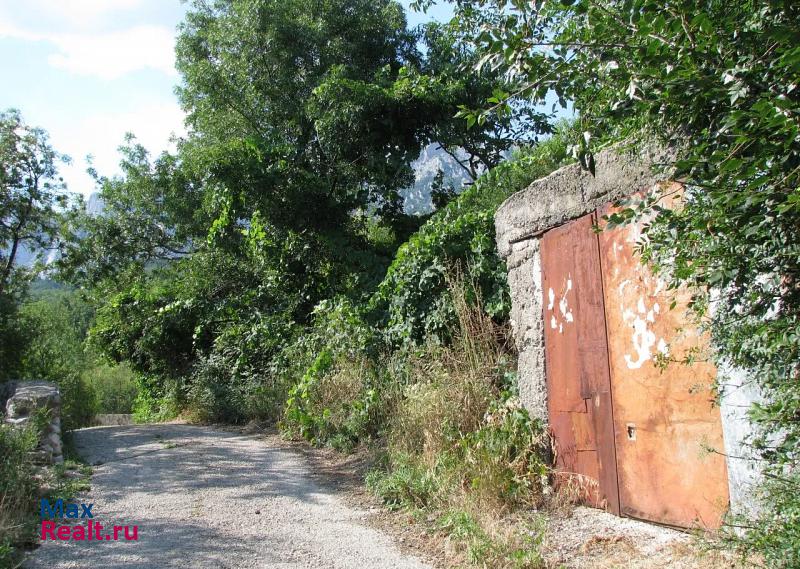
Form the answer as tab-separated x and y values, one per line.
664	419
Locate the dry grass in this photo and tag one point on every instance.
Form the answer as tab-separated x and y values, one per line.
453	386
621	552
433	410
344	385
461	451
15	529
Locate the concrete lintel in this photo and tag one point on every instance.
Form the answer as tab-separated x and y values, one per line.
570	192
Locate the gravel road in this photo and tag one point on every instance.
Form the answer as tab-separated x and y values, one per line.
203	497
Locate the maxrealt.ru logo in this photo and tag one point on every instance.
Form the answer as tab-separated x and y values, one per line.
91	530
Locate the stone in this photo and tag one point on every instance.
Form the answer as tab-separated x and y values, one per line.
18	422
42	456
23	399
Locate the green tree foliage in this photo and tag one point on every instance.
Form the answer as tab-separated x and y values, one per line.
12	339
153	213
304	118
56	324
31	193
413	304
719	81
33	200
321	106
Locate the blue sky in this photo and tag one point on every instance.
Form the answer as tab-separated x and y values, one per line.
88	71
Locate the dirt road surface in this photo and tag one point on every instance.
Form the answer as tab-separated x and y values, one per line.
204	497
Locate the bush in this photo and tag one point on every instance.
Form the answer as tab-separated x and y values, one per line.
78	402
460	445
241	378
22	483
12	339
57	323
344	394
412	303
774	532
17	489
114	388
154	404
406	484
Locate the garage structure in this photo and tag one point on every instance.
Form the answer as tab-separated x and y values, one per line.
594	328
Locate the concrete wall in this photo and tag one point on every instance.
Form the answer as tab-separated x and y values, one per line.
568	194
737	394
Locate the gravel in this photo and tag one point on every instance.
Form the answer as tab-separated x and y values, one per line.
202	497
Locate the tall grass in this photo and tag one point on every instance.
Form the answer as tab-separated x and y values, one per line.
17	490
461	447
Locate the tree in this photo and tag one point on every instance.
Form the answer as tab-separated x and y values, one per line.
304	118
152	214
321	106
718	80
32	192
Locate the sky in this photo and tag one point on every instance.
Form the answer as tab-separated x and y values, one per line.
88	71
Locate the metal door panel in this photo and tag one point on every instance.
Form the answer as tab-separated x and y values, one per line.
579	395
664	417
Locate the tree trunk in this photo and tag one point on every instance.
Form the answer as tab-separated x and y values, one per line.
14	247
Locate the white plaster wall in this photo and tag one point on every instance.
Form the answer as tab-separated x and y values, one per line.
737	395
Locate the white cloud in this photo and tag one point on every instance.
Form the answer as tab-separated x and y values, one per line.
115	54
74	13
101	134
108	53
7	30
106	39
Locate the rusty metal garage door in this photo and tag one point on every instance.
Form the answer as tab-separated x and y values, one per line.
579	392
666	422
632	437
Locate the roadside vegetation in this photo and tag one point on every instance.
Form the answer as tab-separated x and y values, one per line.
266	270
23	484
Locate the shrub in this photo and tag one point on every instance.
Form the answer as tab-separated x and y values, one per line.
462	413
460	445
17	489
114	387
412	303
773	533
12	339
407	484
240	378
154	404
343	394
57	324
